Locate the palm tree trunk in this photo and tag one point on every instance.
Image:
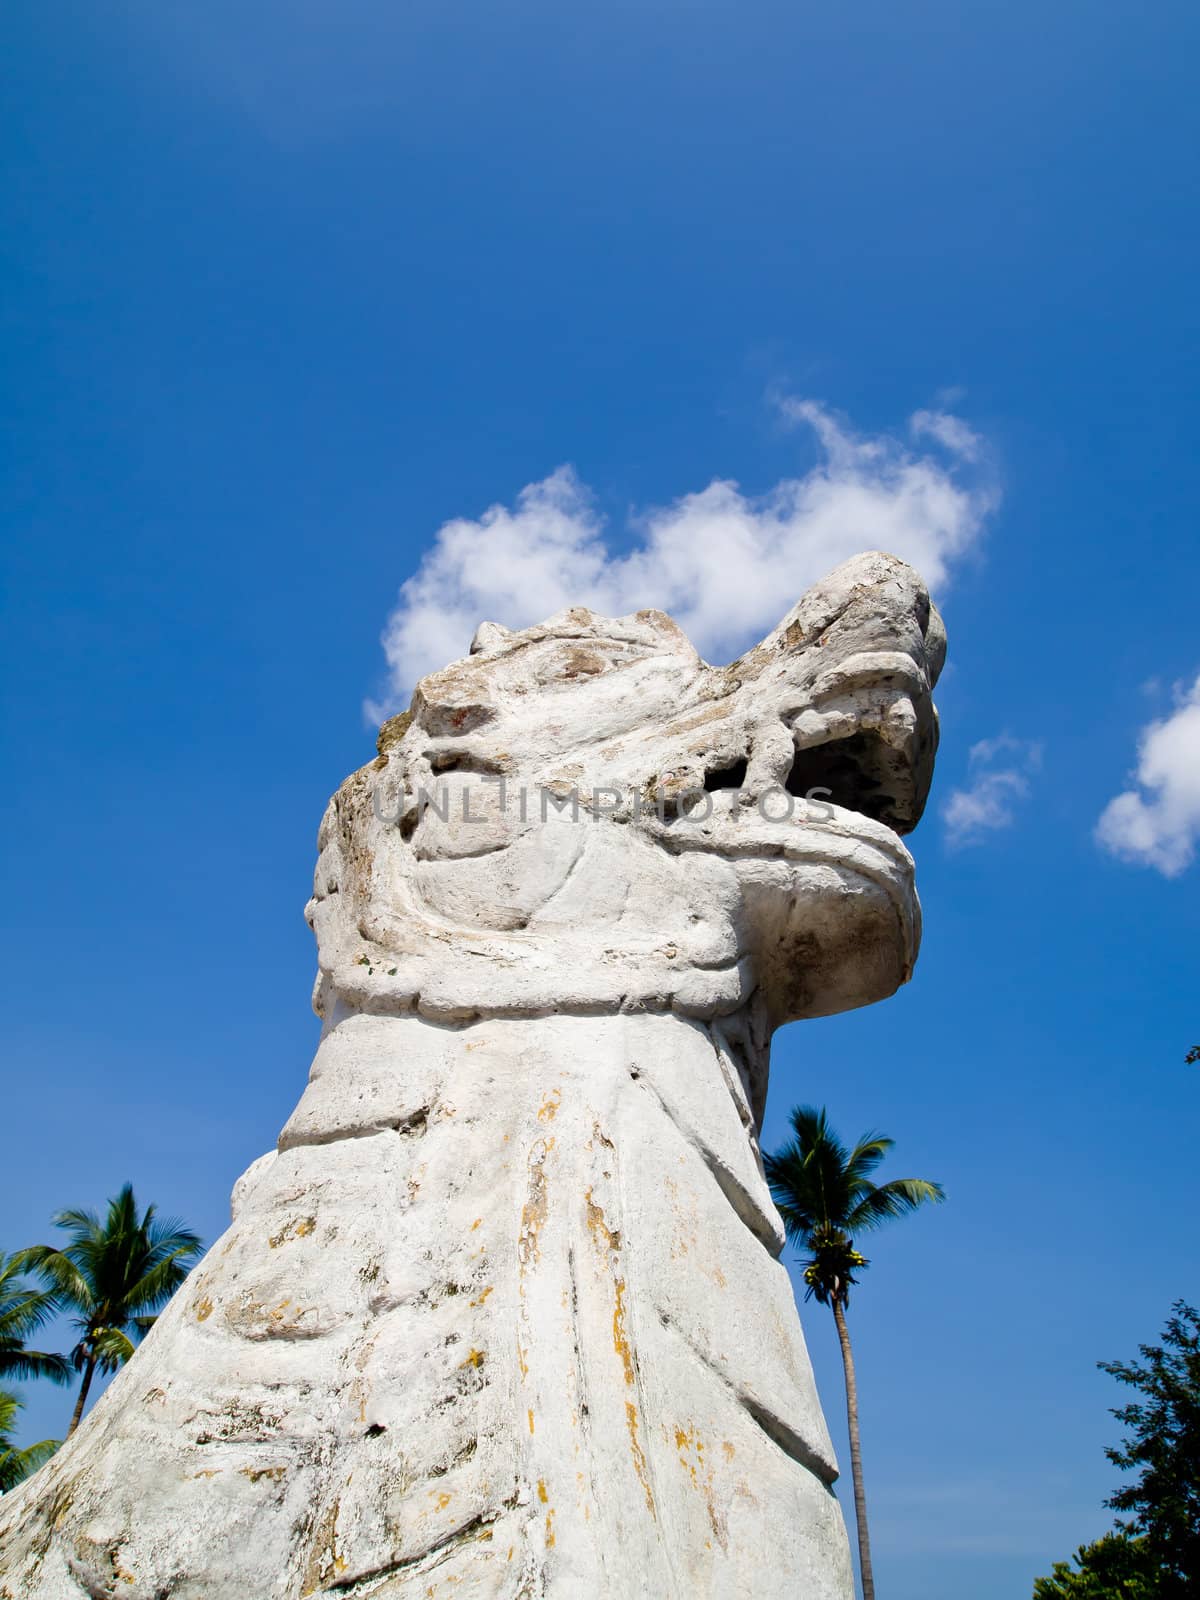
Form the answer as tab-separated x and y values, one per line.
860	1498
88	1370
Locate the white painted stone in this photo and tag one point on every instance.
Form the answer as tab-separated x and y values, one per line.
504	1315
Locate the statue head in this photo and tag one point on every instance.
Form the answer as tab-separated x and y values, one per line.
584	815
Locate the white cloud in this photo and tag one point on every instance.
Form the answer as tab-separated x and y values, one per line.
952	432
993	792
1157	824
725	564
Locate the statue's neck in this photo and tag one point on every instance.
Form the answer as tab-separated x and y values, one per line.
378	1071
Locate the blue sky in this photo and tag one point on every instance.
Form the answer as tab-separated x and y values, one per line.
288	288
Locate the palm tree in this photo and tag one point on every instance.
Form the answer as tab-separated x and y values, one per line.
825	1196
22	1312
18	1464
116	1275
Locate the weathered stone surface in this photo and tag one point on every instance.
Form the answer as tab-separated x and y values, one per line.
503	1315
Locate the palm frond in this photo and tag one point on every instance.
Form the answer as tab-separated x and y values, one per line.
798	1200
68	1284
36	1455
111	1348
810	1125
168	1234
897	1198
157	1285
866	1156
86	1223
17	1465
23	1309
22	1363
10	1404
808	1177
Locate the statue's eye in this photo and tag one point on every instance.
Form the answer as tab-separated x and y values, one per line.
731	777
441	761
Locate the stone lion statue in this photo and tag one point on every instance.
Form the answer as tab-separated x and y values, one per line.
504	1316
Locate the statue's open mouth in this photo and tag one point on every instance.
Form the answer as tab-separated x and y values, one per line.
868	736
856	771
860	772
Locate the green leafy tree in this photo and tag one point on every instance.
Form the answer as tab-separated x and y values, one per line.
116	1275
15	1464
1163	1447
23	1312
826	1197
1114	1568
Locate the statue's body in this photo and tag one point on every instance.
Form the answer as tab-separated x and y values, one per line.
504	1316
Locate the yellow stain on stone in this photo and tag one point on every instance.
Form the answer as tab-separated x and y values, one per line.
610	1240
620	1337
550	1530
543	1495
475	1358
548	1109
483	1296
598	1224
297	1228
533	1213
525	1369
204	1309
702	1479
476	1223
639	1455
443	1500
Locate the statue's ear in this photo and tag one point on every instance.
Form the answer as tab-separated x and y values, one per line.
490	636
